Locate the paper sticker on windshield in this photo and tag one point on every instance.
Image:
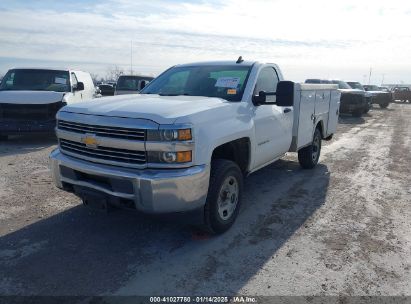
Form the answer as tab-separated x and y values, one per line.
231	91
60	80
227	82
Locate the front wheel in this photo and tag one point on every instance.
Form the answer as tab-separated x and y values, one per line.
224	196
309	156
3	137
383	105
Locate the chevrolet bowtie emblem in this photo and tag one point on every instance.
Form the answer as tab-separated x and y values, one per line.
90	141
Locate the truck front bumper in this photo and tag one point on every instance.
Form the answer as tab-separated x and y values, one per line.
9	127
149	190
351	108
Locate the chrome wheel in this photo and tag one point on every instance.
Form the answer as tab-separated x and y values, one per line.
316	147
228	198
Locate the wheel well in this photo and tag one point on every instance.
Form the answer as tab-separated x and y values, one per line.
237	151
320	126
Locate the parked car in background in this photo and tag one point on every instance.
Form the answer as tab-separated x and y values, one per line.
31	97
378	96
187	141
368	97
131	84
106	89
352	100
402	94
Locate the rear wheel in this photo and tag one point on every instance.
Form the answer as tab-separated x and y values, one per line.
224	195
309	156
383	105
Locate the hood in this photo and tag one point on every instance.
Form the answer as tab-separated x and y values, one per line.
30	97
352	91
161	109
378	92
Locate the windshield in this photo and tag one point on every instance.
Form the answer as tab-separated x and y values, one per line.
314	81
356	85
36	80
227	82
341	84
371	88
131	83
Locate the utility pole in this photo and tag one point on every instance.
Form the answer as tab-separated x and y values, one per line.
131	58
383	76
369	76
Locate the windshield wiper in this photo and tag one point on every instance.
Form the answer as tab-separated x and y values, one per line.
185	94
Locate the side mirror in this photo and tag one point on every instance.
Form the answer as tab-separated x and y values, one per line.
285	94
142	84
79	86
260	98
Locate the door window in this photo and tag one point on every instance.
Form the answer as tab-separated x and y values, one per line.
267	81
74	81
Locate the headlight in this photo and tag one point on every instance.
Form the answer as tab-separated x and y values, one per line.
169	157
169	135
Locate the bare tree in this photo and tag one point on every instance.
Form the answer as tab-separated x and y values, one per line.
114	72
94	77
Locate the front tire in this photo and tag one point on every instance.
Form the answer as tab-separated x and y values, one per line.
224	196
3	137
309	156
383	105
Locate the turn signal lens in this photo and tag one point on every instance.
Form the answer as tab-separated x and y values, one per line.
184	157
184	134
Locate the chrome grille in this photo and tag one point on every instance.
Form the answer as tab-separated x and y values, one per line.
106	154
102	131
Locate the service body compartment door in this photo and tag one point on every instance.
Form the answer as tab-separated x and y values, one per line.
334	112
306	115
322	107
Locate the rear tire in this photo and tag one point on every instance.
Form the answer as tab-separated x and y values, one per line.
224	196
383	105
309	156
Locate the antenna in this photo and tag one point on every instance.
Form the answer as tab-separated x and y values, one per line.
369	76
131	58
240	59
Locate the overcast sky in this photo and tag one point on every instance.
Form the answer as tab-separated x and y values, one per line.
308	39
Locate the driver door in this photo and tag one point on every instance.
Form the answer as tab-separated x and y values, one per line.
272	124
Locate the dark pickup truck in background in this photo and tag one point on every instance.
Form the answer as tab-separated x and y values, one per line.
352	101
378	96
368	97
402	94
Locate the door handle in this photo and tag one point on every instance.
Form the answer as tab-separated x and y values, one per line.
287	110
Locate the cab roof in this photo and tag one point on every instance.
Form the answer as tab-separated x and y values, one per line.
224	62
41	68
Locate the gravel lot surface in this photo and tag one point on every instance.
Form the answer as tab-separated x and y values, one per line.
342	228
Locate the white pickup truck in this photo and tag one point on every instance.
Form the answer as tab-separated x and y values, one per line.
186	142
31	97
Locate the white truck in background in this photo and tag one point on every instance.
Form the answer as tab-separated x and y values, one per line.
187	141
31	97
